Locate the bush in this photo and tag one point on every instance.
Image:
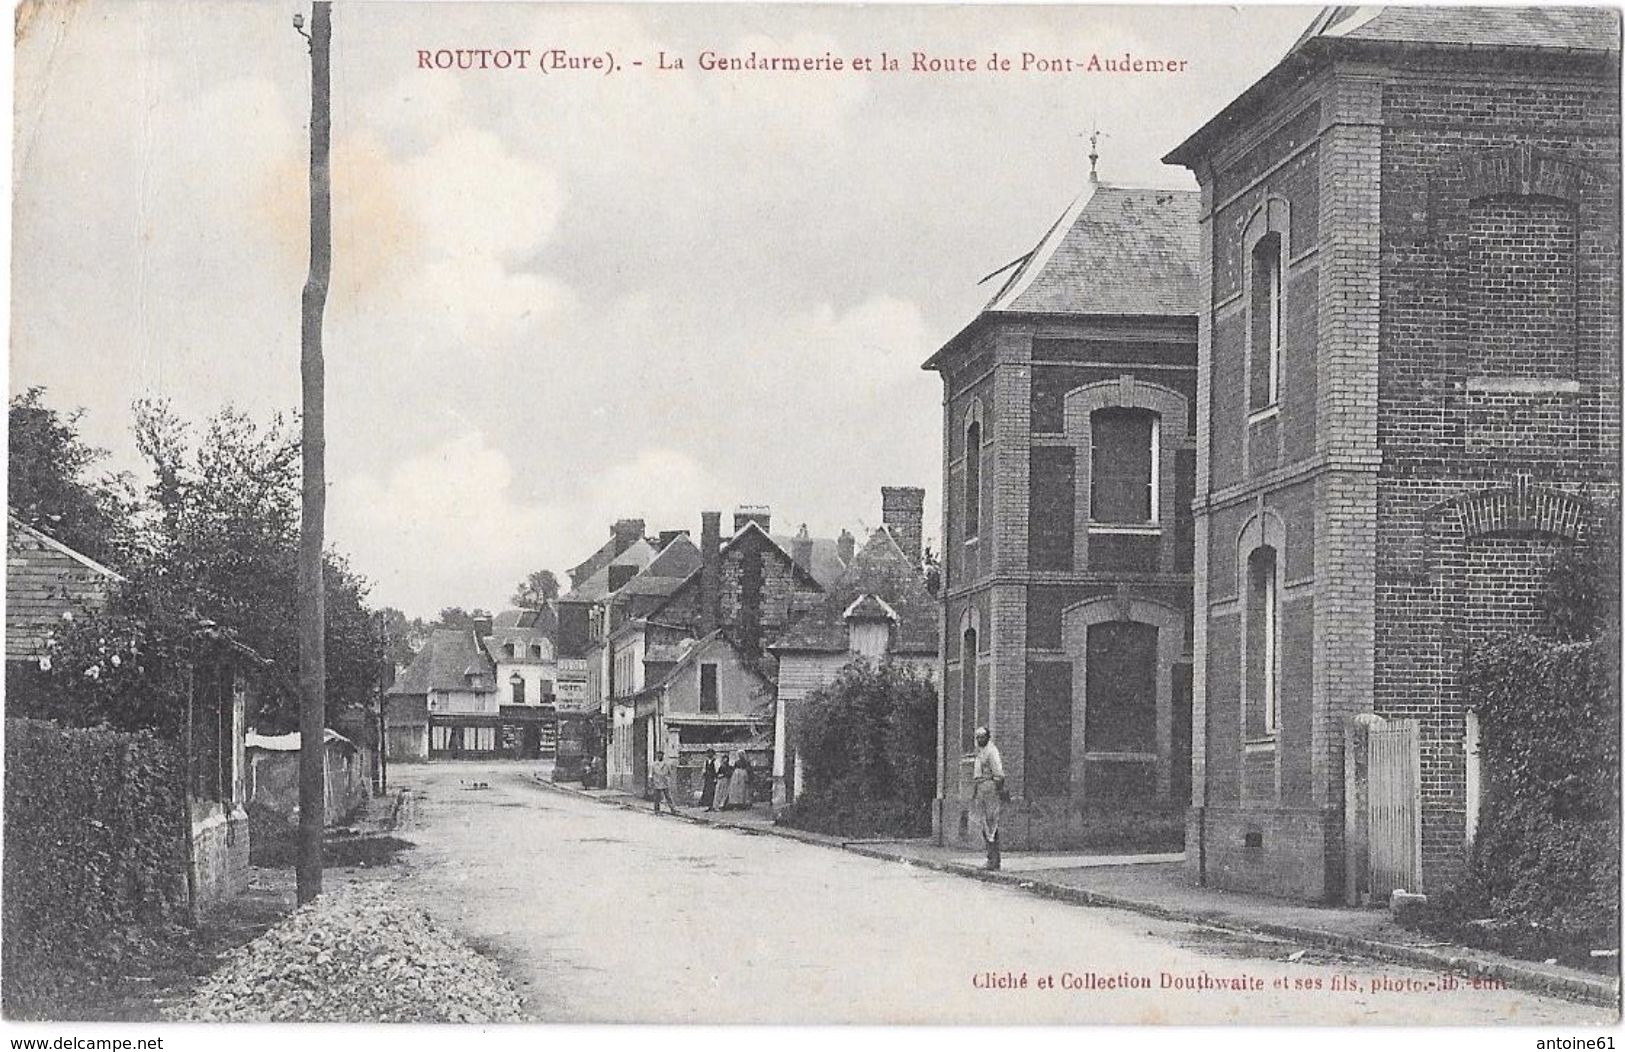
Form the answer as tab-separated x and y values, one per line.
1544	876
868	753
95	845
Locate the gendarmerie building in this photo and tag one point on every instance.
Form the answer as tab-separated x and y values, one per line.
1408	402
1069	453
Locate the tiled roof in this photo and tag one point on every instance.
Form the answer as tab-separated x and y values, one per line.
444	662
1116	250
1585	28
596	587
749	529
881	581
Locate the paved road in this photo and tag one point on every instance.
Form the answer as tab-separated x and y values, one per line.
604	915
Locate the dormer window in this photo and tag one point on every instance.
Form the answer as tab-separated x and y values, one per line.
536	651
507	648
1267	299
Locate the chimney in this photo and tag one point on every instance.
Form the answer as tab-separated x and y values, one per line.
801	549
482	624
902	509
760	514
846	547
667	536
626	532
710	571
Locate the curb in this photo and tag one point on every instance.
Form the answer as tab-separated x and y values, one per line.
1574	988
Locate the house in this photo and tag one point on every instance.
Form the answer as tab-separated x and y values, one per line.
706	696
1069	435
749	586
879	610
1409	401
272	791
520	645
47	583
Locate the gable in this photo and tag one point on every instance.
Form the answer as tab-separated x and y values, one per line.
46	583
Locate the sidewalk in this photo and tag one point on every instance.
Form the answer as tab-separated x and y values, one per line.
1156	885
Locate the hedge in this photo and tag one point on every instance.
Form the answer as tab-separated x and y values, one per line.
868	753
1544	875
95	849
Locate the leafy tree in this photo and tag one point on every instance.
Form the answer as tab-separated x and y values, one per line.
536	591
54	483
222	550
454	617
403	636
931	566
868	748
1581	600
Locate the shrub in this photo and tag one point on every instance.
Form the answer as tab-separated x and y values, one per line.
1543	879
867	746
95	845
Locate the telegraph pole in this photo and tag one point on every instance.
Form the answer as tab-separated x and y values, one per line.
312	613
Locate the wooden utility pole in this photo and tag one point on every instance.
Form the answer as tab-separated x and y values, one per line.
312	612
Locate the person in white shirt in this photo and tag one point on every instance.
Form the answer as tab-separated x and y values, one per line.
988	796
660	776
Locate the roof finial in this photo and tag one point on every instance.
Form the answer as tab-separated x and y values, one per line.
1094	156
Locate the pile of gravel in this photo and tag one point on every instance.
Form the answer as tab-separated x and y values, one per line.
354	955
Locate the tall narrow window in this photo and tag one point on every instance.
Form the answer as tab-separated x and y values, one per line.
517	683
1120	713
1263	659
1123	467
967	690
1267	297
708	688
973	479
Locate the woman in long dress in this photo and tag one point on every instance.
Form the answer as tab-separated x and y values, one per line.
719	796
739	783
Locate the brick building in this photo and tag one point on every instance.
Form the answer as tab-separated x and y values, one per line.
1069	454
1409	399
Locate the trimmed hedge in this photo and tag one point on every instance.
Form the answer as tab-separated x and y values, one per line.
1544	876
868	754
95	848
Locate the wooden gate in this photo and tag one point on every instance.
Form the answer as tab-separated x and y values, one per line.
1395	806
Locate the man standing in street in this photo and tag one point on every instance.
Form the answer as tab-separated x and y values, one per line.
660	782
988	797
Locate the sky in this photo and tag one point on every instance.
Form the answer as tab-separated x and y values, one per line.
566	297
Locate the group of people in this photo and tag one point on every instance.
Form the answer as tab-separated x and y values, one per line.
725	786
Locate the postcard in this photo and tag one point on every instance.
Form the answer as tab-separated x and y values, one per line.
532	513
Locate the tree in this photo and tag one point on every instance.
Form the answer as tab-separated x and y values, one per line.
222	547
54	485
868	753
536	591
403	636
454	617
931	567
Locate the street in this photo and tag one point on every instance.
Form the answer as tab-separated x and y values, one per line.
601	914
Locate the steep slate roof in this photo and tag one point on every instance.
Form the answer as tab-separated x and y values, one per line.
1585	28
880	579
1356	30
544	621
596	587
693	579
826	565
1117	250
444	663
679	558
46	579
691	654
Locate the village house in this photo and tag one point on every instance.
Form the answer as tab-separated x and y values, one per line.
47	583
1069	455
751	588
272	790
1409	401
879	610
520	645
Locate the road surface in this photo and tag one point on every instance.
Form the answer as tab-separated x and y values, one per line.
607	915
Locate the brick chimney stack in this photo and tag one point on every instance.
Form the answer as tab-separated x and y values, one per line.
801	549
626	532
710	571
902	509
846	546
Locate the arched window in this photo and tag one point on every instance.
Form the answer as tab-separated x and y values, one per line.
973	478
967	691
1268	295
1263	657
516	683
